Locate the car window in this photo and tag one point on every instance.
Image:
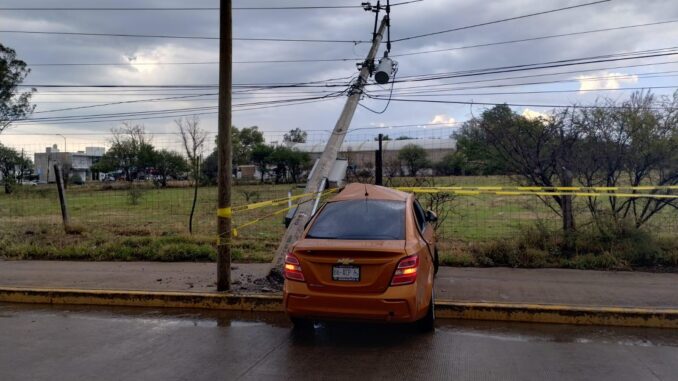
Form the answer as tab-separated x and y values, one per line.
420	215
360	220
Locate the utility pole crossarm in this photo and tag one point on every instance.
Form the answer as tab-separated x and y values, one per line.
329	155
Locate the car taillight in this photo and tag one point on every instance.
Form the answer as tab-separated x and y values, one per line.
293	269
406	272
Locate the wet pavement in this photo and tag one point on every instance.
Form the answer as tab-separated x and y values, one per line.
83	343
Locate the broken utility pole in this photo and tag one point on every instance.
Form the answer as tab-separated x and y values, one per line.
328	157
224	148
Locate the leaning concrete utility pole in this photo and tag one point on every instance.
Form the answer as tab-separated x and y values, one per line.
328	157
224	147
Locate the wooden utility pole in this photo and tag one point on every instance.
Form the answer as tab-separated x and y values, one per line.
62	196
328	157
224	147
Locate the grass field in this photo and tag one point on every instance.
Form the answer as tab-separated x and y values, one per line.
107	225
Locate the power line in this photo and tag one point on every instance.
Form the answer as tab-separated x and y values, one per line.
501	20
496	103
320	60
279	8
252	39
419	78
529	39
297	40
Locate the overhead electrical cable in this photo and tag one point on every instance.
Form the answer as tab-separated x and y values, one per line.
500	21
309	60
236	8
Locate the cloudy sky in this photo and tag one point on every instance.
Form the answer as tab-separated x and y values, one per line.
153	61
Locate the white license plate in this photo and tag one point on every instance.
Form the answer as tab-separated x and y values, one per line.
346	273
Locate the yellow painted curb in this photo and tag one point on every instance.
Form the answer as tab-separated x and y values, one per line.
158	299
560	314
532	313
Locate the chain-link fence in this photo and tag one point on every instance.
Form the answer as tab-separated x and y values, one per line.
105	207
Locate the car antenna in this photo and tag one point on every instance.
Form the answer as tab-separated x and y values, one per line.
366	194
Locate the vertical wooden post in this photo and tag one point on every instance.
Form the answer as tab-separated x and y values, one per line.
224	148
62	196
379	163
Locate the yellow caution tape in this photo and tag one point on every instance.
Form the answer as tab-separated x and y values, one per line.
228	212
225	212
550	189
540	193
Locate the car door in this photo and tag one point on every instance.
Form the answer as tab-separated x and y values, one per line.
425	228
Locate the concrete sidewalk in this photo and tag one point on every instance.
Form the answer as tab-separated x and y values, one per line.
493	285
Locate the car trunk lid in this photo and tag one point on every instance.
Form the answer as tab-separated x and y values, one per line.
376	261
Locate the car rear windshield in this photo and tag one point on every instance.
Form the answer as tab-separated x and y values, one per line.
360	220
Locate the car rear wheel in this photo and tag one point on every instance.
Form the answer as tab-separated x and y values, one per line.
301	324
427	323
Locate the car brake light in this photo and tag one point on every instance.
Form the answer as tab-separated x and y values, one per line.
292	269
406	272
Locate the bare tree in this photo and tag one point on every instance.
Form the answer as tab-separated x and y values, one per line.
193	138
539	151
634	143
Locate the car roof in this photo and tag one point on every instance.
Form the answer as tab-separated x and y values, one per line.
358	191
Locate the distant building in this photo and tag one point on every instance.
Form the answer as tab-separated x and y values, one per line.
362	154
77	163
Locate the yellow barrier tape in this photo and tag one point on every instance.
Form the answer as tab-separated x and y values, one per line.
539	193
228	212
225	212
550	189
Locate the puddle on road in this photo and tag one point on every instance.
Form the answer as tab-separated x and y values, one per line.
345	334
508	331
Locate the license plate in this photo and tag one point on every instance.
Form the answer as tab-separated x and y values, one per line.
346	273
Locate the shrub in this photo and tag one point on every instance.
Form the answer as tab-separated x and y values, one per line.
134	195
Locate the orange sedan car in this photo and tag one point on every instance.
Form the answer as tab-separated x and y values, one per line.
368	254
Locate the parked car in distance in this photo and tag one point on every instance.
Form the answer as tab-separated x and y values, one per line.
369	254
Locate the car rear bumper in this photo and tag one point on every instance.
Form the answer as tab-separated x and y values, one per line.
397	304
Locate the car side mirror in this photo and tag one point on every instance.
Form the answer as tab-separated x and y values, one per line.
431	217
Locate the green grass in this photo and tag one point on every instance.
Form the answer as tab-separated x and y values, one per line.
108	227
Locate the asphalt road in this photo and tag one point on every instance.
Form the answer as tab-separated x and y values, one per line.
79	343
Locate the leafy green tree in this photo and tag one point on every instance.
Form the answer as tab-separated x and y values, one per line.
131	152
13	104
295	136
11	167
169	164
452	164
383	138
289	161
210	168
414	158
261	157
481	158
243	141
404	137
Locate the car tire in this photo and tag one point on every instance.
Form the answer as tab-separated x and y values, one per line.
427	323
301	324
436	261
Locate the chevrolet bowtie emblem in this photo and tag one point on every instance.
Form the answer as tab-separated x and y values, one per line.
345	261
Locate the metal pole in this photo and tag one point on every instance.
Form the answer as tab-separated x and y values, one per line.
327	158
224	147
379	162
